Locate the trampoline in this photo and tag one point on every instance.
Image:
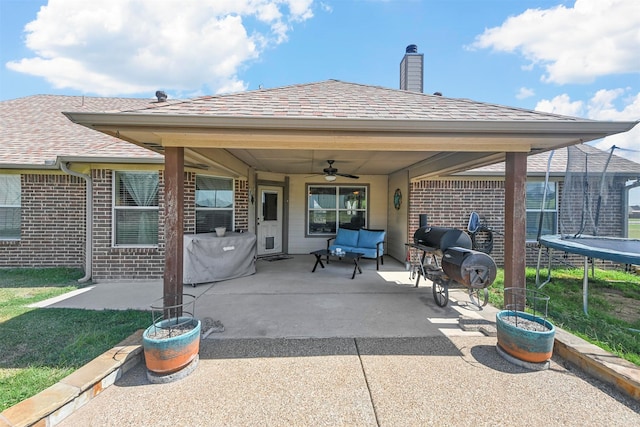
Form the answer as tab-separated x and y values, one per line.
589	212
623	251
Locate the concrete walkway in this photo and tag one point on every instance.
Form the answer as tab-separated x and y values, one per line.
321	349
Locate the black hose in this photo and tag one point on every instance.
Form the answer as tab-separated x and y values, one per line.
485	245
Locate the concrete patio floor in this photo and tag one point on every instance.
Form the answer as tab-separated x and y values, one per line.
302	348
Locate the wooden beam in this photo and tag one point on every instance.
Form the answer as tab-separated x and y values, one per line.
173	227
336	140
515	225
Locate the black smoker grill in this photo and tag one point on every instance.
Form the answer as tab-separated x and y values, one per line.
473	269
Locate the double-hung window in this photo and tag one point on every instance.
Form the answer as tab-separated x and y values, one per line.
330	207
535	194
214	203
135	209
10	207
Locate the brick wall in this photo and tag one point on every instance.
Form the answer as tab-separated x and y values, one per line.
448	203
53	223
145	263
242	205
53	227
113	263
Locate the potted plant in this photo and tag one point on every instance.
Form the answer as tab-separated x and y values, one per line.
172	343
523	331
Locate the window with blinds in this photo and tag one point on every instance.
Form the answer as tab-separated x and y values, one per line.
135	209
536	192
10	207
214	203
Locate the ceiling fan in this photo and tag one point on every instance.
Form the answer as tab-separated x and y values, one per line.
330	173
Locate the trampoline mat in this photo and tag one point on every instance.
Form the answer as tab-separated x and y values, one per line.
625	251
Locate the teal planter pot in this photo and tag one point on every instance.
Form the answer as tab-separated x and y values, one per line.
522	341
166	355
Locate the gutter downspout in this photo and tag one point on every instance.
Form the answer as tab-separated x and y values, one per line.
89	220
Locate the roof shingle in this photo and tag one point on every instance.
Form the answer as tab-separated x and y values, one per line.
34	130
336	99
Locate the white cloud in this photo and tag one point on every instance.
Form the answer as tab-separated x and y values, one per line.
602	106
112	47
326	7
525	92
573	44
561	104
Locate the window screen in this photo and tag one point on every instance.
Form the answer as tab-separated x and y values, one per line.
10	207
549	212
214	203
330	207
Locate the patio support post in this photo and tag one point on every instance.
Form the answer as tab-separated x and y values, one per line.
515	225
173	227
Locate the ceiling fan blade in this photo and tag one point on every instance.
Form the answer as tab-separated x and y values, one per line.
346	175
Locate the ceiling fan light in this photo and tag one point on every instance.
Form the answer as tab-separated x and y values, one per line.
330	178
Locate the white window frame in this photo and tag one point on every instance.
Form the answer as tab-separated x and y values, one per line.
5	200
337	208
210	209
546	212
115	209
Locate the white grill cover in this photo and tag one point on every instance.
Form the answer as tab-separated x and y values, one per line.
209	258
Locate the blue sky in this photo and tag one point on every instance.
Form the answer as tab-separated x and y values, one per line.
578	58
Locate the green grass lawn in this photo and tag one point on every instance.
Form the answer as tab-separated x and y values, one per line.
613	322
634	228
40	346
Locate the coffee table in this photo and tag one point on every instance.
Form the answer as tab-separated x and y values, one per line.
355	256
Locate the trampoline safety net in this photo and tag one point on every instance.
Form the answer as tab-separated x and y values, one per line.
591	197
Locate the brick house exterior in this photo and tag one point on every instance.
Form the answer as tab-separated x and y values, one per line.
449	203
53	227
53	202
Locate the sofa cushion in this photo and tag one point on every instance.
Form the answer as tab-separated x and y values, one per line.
346	237
369	239
367	252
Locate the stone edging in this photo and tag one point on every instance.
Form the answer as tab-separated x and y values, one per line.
598	363
51	406
54	404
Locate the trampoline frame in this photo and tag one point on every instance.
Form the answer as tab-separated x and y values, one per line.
574	246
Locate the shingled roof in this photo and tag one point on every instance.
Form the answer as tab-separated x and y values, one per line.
538	164
34	131
335	99
430	135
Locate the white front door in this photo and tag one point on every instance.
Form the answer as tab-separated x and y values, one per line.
269	221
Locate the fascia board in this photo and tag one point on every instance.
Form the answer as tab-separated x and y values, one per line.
77	159
514	127
127	160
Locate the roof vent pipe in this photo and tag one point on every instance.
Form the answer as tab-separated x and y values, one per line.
412	48
161	95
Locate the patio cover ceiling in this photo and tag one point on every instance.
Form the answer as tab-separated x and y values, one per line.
367	130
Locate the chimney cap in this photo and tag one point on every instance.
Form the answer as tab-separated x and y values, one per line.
412	48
